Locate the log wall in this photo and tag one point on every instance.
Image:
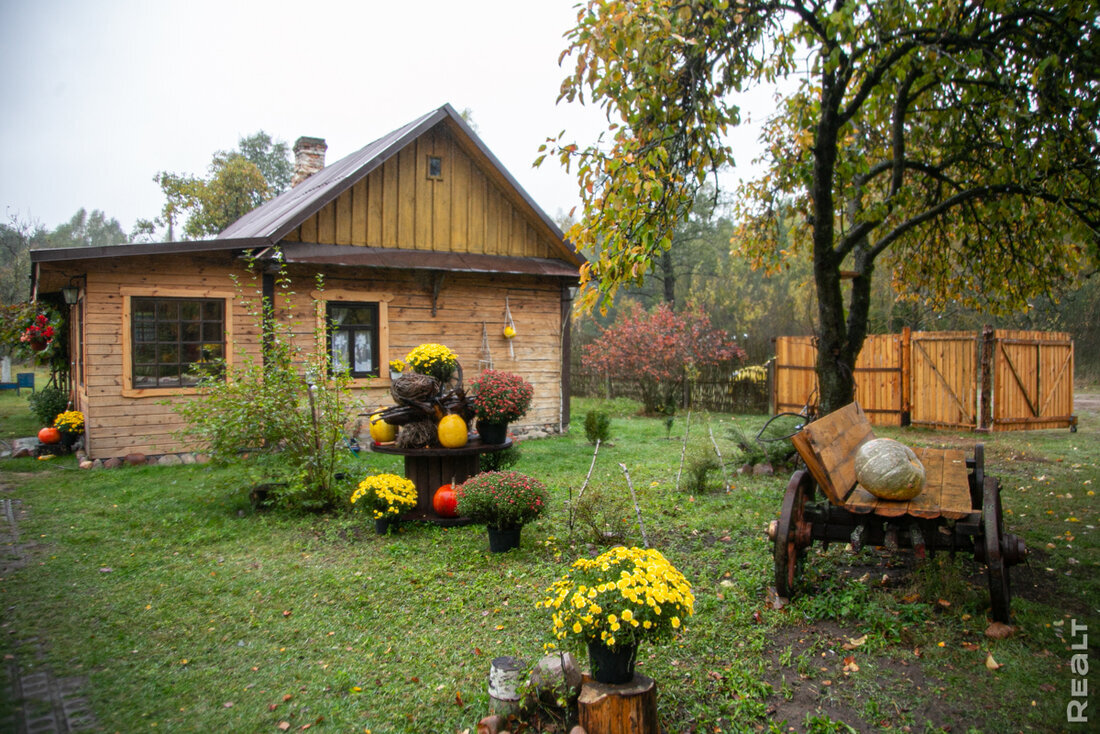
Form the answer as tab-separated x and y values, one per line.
121	420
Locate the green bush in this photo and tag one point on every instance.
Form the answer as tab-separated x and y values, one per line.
601	516
291	402
47	403
597	426
772	449
701	463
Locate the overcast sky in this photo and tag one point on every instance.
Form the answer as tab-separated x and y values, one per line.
99	96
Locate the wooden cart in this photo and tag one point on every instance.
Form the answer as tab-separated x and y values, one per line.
958	510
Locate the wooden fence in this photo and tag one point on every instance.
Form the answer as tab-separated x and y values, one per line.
714	389
996	380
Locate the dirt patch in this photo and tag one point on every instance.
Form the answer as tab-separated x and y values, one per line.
1086	402
815	675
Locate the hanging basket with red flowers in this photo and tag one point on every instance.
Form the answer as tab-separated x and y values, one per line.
39	335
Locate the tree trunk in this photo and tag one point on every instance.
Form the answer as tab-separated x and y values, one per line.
668	277
837	345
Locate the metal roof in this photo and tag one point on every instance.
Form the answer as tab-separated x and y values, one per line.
376	257
275	219
267	224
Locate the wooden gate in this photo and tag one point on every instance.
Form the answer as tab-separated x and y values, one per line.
795	379
879	376
944	364
989	380
1032	380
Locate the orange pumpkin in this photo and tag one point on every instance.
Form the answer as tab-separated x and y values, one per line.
444	501
49	434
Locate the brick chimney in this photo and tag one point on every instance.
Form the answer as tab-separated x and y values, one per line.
309	158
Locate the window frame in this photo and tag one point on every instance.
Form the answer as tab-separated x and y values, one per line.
352	329
374	298
127	337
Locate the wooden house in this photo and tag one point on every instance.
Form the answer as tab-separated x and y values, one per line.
421	236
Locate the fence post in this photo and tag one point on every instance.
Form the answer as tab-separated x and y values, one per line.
986	346
772	387
906	375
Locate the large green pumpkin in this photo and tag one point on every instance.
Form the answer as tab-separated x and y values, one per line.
889	469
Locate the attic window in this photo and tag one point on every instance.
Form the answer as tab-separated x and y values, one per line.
435	167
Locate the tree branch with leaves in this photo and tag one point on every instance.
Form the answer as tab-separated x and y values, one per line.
954	142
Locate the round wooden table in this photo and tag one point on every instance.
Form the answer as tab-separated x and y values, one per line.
431	468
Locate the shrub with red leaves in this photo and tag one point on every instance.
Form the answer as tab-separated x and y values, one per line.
657	349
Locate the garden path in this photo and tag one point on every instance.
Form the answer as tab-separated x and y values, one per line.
42	702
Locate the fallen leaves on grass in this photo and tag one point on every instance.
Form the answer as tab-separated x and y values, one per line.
854	642
991	663
999	631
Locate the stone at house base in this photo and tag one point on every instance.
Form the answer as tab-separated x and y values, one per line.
763	470
21	447
138	459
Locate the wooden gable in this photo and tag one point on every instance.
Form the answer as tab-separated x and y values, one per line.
468	208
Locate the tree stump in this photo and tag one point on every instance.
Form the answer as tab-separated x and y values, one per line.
628	708
504	673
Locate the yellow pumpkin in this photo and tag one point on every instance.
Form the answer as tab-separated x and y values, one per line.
380	431
452	432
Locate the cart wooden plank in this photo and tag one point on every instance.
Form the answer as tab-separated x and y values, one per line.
955	500
861	501
927	503
828	446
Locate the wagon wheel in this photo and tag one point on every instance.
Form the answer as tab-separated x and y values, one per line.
1000	590
792	536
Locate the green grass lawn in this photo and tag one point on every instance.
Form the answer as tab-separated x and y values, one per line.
187	611
16	420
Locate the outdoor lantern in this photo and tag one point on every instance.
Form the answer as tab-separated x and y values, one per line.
71	292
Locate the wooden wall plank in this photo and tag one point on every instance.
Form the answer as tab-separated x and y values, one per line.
461	195
326	223
389	199
406	198
424	193
343	214
479	212
442	224
360	199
